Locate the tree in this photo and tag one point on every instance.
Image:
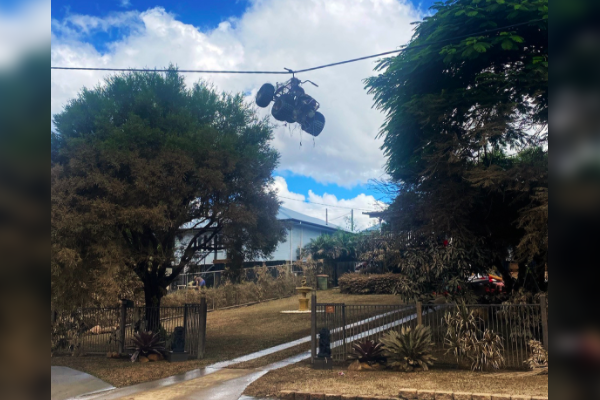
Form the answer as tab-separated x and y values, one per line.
466	131
340	246
137	158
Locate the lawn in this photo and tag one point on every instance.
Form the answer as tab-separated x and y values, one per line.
230	333
302	378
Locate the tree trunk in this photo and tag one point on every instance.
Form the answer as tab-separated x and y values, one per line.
153	293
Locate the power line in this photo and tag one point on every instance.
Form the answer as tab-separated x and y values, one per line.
201	71
289	71
327	205
340	216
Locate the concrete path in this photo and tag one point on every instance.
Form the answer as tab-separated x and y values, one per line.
209	384
66	383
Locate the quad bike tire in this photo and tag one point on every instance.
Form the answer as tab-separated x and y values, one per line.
283	108
315	125
265	95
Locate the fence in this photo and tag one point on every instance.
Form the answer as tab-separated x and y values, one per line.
347	324
216	279
103	330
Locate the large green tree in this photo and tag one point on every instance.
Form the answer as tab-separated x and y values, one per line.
466	133
134	160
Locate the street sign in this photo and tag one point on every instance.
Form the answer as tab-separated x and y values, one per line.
330	309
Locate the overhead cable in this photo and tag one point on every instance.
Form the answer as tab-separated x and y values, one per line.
290	71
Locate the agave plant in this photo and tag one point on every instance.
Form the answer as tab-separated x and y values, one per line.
409	348
368	352
146	343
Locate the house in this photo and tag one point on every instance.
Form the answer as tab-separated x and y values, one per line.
300	230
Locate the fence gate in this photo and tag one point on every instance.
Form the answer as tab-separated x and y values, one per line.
103	330
348	324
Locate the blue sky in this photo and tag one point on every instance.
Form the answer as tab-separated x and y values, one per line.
337	166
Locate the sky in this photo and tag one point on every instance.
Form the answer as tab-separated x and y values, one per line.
335	168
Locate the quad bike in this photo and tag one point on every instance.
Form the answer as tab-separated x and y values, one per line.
291	104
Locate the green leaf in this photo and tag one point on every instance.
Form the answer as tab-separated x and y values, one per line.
517	39
472	13
480	47
507	45
500	1
461	12
538	59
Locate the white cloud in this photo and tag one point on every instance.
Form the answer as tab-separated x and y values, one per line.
272	34
23	30
338	209
125	3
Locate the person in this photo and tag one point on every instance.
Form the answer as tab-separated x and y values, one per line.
199	282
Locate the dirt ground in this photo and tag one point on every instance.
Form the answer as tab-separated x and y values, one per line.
301	377
230	333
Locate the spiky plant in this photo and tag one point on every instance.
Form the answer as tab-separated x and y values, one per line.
368	352
539	357
482	349
487	352
146	343
409	348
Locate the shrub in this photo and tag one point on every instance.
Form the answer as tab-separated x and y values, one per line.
229	294
354	283
368	352
538	358
409	348
146	343
483	349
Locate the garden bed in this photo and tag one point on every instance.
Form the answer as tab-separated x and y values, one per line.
302	378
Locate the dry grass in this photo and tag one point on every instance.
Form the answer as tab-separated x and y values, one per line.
230	334
301	377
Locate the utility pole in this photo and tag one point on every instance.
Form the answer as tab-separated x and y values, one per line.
326	217
352	220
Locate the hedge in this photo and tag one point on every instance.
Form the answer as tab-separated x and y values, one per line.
369	284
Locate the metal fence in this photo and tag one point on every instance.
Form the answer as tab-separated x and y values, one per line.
216	278
348	324
98	330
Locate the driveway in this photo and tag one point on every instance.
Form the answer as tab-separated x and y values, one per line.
67	383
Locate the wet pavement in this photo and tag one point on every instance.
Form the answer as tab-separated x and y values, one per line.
66	383
207	384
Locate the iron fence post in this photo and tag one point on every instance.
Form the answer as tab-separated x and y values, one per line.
419	313
544	310
122	327
313	327
202	327
185	324
344	331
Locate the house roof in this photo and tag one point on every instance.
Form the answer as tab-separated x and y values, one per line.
374	228
285	214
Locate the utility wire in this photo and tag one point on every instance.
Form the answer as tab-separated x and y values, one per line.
289	71
327	205
201	71
340	216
